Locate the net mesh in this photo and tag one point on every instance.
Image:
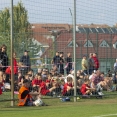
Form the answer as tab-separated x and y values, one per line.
45	27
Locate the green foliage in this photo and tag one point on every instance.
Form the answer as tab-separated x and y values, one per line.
21	29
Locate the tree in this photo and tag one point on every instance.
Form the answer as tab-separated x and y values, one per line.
21	29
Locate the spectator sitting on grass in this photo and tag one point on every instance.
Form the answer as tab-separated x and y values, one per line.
86	89
24	96
106	84
80	78
96	78
31	74
62	82
36	82
20	80
49	81
56	83
68	87
115	78
43	90
39	70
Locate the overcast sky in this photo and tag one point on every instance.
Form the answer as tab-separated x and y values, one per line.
58	11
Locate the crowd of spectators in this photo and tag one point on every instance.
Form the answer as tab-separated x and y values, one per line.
54	82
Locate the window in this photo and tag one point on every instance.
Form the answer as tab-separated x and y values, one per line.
106	30
104	44
99	30
87	30
88	43
71	44
80	30
113	30
93	30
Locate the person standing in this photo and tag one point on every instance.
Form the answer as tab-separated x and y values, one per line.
115	66
96	61
115	73
3	58
8	70
84	64
91	63
25	59
68	63
61	67
56	60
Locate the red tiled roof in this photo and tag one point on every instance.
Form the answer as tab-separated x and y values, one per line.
40	30
40	34
64	38
115	39
41	39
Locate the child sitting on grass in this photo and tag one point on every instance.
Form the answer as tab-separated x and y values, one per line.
68	89
85	88
43	89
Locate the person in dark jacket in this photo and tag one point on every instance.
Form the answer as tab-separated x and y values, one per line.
25	59
3	58
68	63
90	63
56	60
61	63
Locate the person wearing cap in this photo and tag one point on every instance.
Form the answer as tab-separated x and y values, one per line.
84	64
24	96
25	59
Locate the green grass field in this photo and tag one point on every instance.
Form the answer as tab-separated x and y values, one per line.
105	107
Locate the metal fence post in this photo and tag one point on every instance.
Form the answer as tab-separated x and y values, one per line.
12	68
74	39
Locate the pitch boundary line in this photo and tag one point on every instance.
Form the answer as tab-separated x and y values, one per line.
106	115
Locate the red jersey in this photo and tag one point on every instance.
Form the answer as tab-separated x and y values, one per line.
96	62
48	81
65	88
44	89
15	66
83	88
8	70
36	82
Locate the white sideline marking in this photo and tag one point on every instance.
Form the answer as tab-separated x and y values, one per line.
106	115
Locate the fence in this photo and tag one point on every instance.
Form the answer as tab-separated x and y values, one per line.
45	27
